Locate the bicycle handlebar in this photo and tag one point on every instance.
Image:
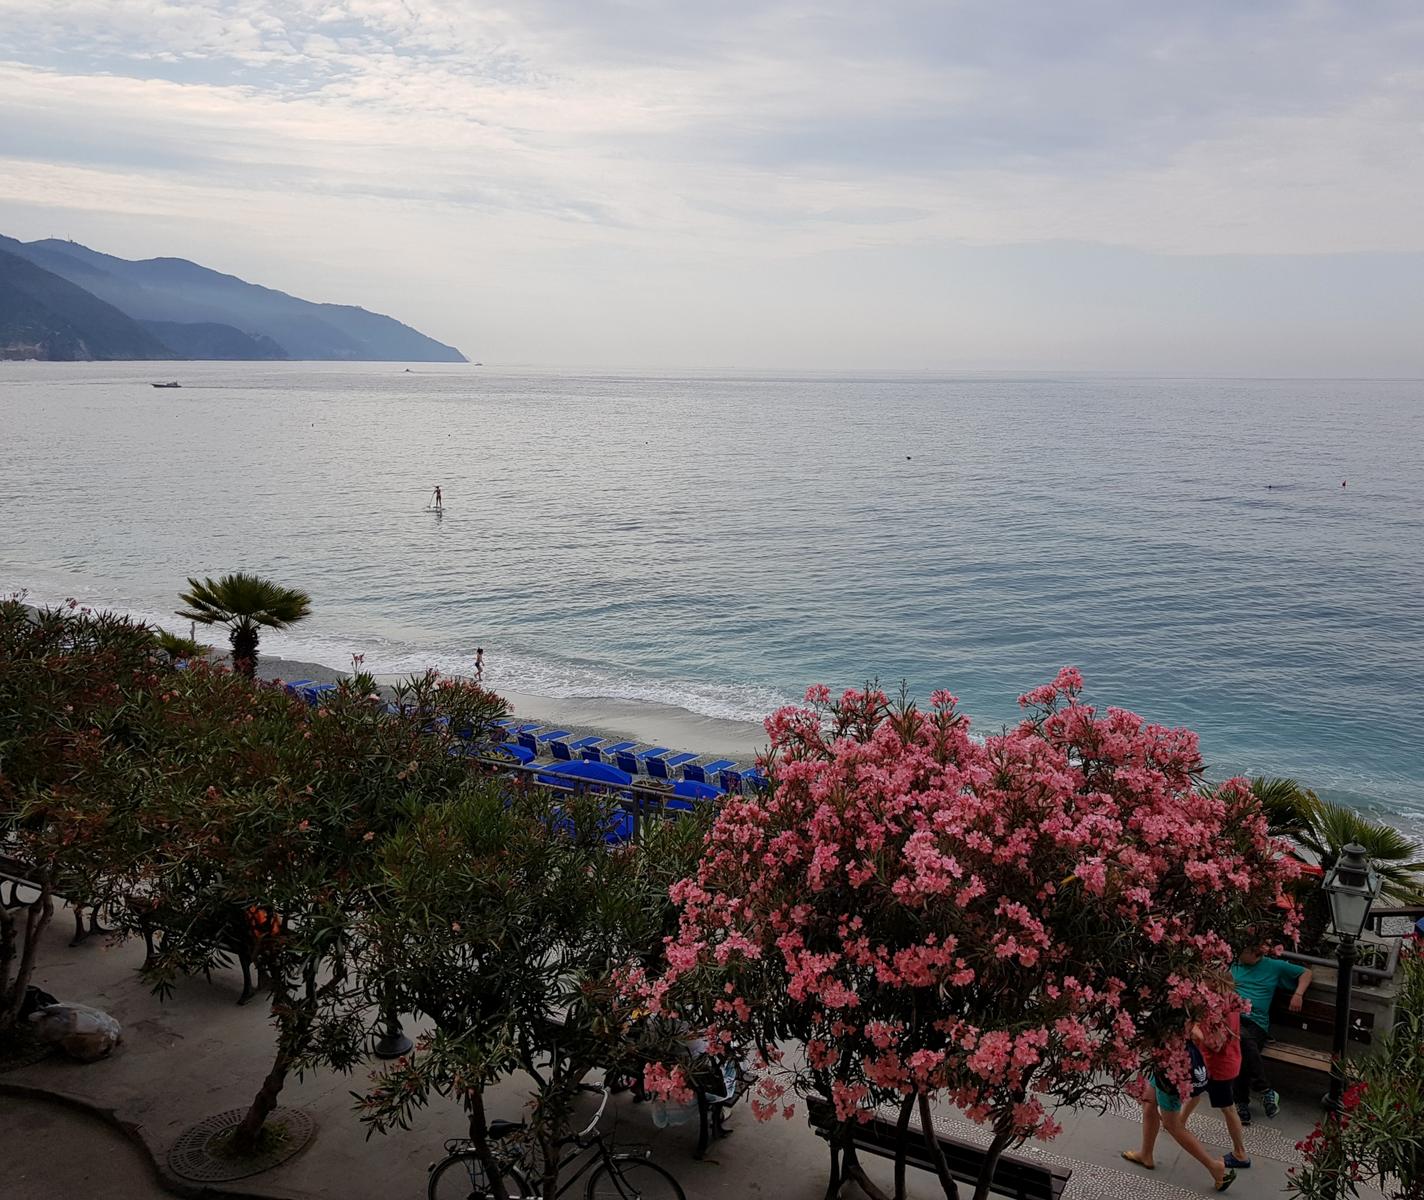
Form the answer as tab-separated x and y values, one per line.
598	1116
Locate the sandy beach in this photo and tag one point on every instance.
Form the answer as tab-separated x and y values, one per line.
654	724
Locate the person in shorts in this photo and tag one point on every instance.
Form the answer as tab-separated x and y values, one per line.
1166	1110
1222	1057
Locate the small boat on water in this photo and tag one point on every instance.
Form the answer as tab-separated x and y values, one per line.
175	383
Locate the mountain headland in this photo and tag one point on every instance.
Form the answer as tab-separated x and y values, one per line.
63	301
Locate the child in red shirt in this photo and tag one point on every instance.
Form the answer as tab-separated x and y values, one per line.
1223	1065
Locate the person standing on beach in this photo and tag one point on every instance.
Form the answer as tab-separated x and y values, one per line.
479	664
1257	979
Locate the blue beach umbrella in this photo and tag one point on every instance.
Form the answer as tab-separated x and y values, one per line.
692	790
574	773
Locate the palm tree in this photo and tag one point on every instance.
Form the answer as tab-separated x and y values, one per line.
1398	858
243	603
1289	807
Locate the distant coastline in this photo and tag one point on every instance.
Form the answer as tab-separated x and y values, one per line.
63	302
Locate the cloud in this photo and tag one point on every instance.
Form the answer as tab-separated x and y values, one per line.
703	133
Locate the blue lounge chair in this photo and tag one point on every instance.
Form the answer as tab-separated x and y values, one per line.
730	779
699	773
313	692
637	764
568	751
596	753
754	778
663	768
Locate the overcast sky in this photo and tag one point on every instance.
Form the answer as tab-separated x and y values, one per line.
1066	184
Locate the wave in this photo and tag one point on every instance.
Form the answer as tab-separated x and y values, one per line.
520	672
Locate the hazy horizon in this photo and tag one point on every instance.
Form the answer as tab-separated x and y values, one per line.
1214	191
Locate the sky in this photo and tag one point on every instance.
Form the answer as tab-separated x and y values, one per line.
1036	185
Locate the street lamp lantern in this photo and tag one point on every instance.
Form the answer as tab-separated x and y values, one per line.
1352	886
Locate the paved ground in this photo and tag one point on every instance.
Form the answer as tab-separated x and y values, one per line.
200	1054
52	1152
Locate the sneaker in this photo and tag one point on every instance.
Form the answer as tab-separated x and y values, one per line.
1235	1164
1244	1112
1271	1102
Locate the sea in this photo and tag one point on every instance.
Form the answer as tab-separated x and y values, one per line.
1241	556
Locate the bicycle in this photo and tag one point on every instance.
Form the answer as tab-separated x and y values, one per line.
626	1175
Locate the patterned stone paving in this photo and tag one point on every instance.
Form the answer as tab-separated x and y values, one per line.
1262	1137
1093	1181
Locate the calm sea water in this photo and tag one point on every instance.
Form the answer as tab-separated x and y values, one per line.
720	542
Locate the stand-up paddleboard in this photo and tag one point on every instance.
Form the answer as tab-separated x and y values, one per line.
441	509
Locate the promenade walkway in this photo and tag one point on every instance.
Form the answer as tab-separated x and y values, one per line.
199	1054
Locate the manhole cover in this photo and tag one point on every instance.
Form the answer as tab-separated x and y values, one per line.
194	1156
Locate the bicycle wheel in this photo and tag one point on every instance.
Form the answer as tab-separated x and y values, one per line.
462	1176
632	1179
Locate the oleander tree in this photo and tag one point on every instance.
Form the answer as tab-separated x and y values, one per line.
245	604
273	816
66	678
508	919
910	915
1376	1141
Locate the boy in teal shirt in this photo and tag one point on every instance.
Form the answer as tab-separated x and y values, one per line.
1257	979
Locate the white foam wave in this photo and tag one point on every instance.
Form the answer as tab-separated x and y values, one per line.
518	672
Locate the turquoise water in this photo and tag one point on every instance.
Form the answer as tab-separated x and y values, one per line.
721	541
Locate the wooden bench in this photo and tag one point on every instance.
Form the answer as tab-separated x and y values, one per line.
16	874
1014	1177
1315	1017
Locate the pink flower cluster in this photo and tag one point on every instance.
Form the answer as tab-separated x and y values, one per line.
1030	916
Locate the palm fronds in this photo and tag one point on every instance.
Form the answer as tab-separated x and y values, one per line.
246	598
1396	856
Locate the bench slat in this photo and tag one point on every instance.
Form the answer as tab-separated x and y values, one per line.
1014	1177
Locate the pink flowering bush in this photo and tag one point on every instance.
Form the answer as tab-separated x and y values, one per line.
1008	923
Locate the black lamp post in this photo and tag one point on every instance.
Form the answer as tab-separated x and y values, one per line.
393	1042
1352	886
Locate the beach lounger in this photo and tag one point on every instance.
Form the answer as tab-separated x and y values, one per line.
731	780
539	742
627	762
567	751
706	772
312	692
596	753
663	768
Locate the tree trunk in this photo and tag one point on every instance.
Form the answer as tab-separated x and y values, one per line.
244	651
37	917
902	1136
852	1170
245	1139
1002	1137
479	1137
946	1180
7	956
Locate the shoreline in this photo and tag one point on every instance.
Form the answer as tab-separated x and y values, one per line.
653	724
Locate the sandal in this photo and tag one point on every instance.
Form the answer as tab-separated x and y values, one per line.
1226	1181
1135	1158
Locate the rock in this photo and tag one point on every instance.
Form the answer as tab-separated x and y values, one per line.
80	1031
